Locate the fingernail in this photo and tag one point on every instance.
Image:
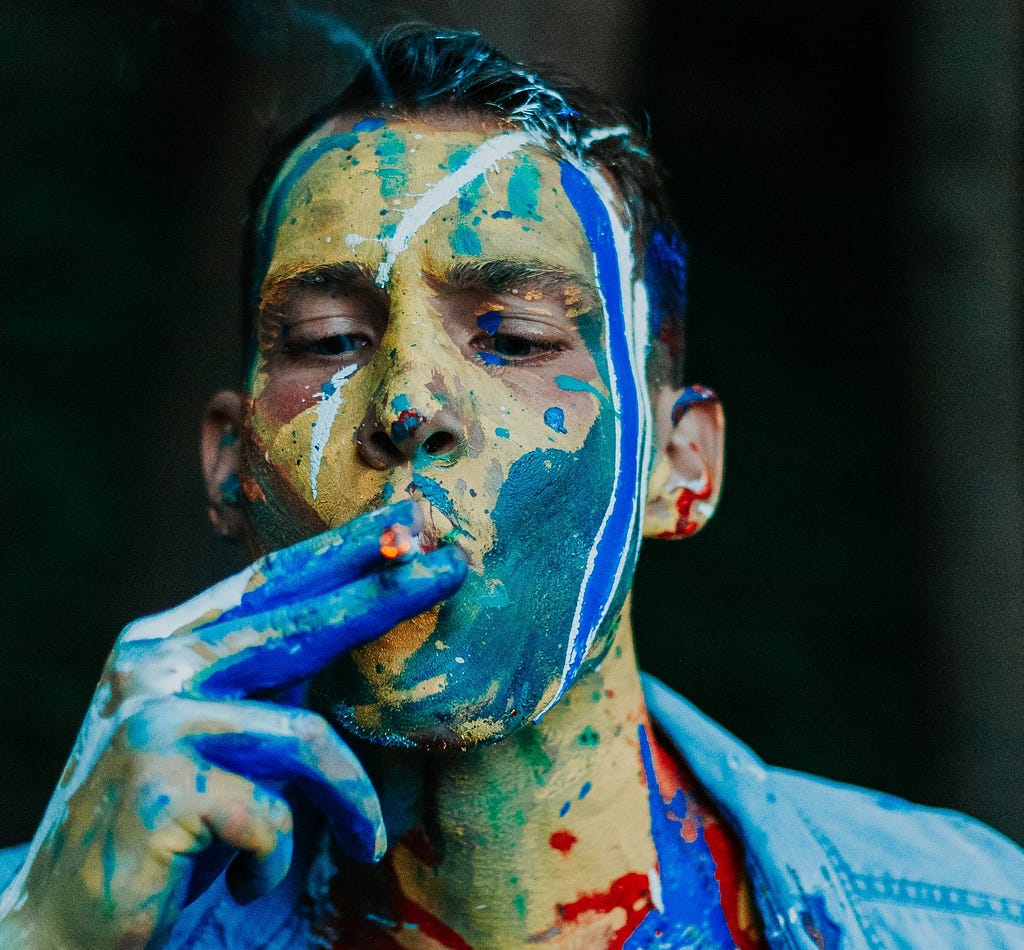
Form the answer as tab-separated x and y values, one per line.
690	397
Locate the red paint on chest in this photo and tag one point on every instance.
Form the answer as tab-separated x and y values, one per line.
562	841
631	892
426	922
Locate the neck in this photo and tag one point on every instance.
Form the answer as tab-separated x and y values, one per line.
546	834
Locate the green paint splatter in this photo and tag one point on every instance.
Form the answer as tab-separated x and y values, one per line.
531	751
520	903
589	738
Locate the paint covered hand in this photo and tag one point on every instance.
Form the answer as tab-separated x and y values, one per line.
182	747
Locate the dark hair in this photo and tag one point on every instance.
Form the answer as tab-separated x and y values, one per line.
415	69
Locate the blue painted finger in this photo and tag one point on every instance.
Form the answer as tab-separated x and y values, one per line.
290	643
315	759
320	564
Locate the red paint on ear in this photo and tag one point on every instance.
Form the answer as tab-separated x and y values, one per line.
684	526
562	841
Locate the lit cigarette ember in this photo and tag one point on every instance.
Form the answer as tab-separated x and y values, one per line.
395	541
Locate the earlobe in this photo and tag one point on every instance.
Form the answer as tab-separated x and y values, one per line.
219	451
686	480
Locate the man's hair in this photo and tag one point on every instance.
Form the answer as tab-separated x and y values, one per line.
416	69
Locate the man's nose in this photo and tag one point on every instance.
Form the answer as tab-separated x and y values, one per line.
389	437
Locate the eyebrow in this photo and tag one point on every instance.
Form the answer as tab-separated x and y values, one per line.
501	276
343	276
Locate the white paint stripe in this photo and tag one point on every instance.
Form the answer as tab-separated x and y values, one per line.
599	135
321	432
486	155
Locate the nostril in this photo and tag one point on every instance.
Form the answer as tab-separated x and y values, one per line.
440	443
382	451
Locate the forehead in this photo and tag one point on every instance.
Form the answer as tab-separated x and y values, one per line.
440	189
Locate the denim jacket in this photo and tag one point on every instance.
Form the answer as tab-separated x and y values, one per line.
834	867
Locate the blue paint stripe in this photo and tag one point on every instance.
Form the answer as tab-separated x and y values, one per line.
618	540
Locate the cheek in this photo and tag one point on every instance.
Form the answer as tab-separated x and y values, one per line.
302	432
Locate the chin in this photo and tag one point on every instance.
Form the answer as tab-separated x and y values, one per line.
457	732
433	708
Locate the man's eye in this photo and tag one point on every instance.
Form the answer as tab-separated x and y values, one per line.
515	346
337	344
508	348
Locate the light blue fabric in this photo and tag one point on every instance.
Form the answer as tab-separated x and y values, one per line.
858	869
867	871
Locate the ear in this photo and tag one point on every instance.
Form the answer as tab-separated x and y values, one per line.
219	452
686	479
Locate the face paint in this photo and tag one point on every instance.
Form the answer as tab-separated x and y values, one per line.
472	339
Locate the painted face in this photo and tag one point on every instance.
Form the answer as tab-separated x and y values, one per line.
447	314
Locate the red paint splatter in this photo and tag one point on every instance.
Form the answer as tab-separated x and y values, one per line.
412	913
728	857
562	841
631	892
684	526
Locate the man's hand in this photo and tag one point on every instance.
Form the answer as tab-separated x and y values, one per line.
175	754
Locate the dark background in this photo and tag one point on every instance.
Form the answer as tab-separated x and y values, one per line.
848	178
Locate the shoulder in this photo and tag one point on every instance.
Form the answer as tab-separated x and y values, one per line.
830	858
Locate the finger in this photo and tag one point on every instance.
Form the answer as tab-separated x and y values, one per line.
255	873
264	744
322	563
290	643
316	565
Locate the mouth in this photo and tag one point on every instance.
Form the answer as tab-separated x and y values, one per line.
430	530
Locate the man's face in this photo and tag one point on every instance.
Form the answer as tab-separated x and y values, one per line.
445	317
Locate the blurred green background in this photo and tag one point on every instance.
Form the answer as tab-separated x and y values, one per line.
848	178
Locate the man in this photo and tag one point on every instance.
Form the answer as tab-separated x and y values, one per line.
463	410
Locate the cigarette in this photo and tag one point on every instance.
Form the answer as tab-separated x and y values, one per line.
395	541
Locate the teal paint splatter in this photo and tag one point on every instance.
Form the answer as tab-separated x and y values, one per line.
393	166
387	492
554	418
523	190
438	497
496	595
464	240
574	385
109	867
501	433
